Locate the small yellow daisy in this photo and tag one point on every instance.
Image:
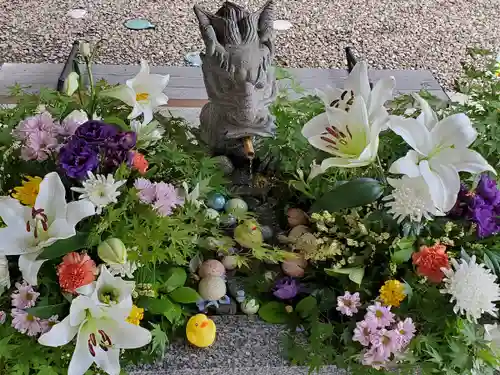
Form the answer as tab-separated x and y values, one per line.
392	293
28	191
136	315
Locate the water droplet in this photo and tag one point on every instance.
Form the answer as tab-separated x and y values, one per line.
282	25
139	24
77	13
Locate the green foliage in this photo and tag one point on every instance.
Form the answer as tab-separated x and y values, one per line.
273	312
63	247
185	295
45	312
354	193
160	340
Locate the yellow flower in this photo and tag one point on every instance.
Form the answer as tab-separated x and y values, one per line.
136	315
28	191
392	293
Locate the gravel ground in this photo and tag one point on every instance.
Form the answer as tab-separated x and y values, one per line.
404	34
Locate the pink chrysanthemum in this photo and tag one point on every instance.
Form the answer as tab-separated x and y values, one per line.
47	324
379	315
147	190
26	323
348	303
38	146
374	357
363	332
386	340
406	332
42	122
24	297
167	198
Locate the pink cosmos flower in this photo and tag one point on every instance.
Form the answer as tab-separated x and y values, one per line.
348	303
3	317
363	332
379	315
147	190
47	324
26	323
374	357
24	297
167	198
406	332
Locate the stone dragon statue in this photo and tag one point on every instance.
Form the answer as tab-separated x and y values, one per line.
238	76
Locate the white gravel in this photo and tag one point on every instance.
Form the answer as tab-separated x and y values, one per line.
403	34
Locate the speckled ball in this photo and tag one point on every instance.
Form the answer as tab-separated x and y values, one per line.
216	201
212	288
225	164
294	267
267	232
228	220
297	217
250	307
229	262
211	267
210	213
236	205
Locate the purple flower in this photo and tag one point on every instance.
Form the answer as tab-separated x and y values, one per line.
167	198
122	141
47	324
147	190
77	157
286	288
38	146
348	303
406	332
488	189
3	317
363	332
26	323
96	132
379	315
486	221
24	297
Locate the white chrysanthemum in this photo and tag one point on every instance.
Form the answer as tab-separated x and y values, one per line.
410	198
99	190
124	270
473	287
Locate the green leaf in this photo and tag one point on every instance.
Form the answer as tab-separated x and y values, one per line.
355	274
63	247
175	278
45	312
306	307
405	251
355	193
273	312
159	339
185	295
163	306
487	261
116	121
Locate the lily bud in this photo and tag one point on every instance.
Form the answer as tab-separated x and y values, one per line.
112	251
71	84
85	49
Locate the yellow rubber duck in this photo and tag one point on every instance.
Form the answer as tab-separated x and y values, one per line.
200	331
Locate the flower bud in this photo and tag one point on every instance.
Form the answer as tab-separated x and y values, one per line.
249	307
85	49
71	83
112	251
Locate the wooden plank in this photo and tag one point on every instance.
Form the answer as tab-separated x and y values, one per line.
186	85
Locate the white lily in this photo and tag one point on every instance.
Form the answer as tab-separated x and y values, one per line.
144	93
4	274
147	134
440	151
101	327
29	230
316	170
357	83
348	135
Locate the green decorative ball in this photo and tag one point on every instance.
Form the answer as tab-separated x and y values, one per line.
236	205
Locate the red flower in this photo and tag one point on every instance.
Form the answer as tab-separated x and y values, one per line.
76	270
140	163
430	260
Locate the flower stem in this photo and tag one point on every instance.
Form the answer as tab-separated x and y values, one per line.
88	64
380	169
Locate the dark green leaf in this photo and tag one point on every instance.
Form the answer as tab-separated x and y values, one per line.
306	307
175	278
273	312
405	251
163	306
185	295
355	193
45	312
487	261
355	274
63	247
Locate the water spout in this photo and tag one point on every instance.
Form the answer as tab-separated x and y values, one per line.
248	148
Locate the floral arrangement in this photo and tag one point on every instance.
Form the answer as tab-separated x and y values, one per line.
117	226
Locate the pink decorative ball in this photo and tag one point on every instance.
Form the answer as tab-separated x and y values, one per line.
294	267
211	267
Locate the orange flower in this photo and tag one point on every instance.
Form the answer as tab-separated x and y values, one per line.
140	163
76	270
430	260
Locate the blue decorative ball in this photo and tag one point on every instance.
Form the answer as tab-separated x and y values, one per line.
216	201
